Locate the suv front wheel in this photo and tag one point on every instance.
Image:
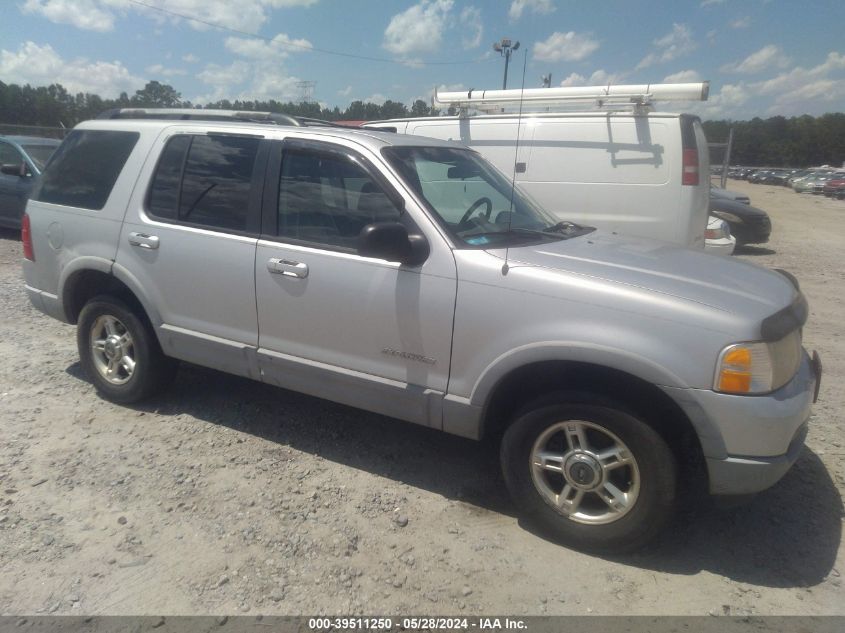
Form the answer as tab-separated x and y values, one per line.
119	352
588	472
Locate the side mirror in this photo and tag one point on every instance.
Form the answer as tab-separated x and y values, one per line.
18	169
390	241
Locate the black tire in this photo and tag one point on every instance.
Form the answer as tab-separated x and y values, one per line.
654	469
152	370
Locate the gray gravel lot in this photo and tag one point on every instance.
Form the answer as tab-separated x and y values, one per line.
229	496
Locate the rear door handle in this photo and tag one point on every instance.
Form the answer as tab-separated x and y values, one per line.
142	240
287	267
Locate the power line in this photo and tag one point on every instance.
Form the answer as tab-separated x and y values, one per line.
303	47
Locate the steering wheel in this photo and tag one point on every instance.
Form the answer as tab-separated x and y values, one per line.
474	206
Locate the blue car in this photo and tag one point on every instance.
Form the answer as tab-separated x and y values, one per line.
21	160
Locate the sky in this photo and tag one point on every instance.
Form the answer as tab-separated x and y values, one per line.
762	57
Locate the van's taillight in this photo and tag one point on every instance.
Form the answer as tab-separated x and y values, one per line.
26	238
690	168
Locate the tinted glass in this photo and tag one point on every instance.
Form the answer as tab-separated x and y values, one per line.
40	154
85	168
216	181
164	192
9	155
328	199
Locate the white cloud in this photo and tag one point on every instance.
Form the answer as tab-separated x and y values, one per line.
472	27
83	14
599	77
257	73
376	98
574	79
345	92
741	23
799	76
157	70
798	91
418	29
100	15
190	58
242	80
681	77
674	44
569	47
280	47
725	103
534	6
42	65
766	57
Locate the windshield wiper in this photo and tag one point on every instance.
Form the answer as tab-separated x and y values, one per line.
569	229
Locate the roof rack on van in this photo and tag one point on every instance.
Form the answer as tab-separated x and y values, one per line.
625	96
196	114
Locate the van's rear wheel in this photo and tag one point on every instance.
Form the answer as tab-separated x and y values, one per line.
589	473
119	352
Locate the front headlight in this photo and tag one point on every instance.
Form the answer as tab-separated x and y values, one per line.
758	367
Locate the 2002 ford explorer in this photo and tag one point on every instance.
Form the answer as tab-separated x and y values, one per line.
404	276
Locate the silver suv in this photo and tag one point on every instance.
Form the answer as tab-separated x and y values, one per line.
405	276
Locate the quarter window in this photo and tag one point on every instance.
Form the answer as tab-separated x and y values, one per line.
84	169
328	198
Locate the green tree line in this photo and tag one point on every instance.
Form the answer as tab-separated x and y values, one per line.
776	141
802	141
54	106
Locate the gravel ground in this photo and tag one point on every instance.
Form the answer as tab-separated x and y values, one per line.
228	496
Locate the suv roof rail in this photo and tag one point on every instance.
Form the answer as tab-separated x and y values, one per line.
196	114
636	96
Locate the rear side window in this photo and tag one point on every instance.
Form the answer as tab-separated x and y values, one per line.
84	169
205	180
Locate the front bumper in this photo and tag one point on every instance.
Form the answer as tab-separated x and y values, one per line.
751	441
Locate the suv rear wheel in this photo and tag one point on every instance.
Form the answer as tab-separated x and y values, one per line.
119	352
590	473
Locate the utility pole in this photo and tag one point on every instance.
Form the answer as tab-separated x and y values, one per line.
505	48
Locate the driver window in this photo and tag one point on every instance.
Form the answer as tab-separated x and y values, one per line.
328	198
9	155
452	195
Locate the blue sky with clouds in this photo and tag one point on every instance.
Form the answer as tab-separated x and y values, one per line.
762	57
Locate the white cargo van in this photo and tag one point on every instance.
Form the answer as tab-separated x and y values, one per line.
620	166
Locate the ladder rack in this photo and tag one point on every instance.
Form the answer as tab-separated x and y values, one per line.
636	96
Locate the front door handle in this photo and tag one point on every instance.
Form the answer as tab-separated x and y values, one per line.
287	267
142	240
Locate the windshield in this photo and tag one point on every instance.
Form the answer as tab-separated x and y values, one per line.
39	154
475	203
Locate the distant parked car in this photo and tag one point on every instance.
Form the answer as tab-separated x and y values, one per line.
835	184
21	159
769	177
798	175
749	225
808	183
726	194
821	181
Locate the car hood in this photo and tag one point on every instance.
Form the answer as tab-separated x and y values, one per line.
722	283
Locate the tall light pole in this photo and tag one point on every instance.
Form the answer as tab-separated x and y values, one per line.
505	48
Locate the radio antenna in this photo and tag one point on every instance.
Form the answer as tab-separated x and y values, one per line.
505	266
